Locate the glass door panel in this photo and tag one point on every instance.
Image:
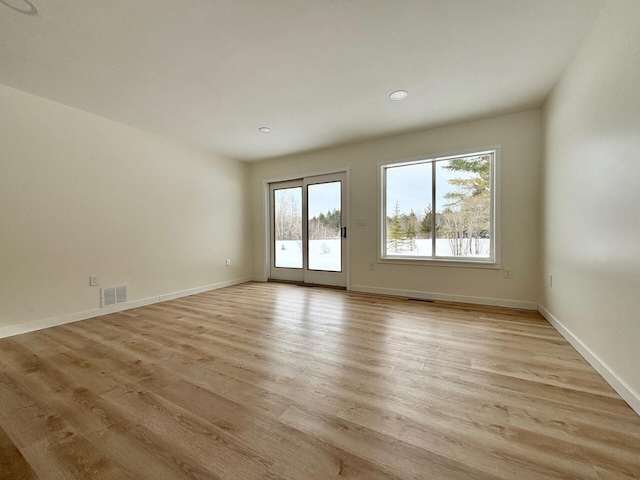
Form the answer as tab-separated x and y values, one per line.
324	226
287	203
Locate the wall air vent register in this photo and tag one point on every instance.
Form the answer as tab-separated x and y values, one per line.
113	295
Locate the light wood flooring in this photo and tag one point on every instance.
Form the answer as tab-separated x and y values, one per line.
274	381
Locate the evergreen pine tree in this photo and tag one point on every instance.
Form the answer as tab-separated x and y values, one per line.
411	231
396	235
426	224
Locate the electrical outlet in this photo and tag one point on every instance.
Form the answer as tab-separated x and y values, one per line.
93	280
372	266
228	262
507	272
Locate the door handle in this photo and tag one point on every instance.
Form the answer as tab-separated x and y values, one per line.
343	232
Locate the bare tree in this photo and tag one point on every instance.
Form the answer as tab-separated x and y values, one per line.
288	218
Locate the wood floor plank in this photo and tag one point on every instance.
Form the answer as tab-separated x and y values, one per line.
12	462
280	382
191	435
293	451
410	461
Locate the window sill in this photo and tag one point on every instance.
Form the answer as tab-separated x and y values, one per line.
437	262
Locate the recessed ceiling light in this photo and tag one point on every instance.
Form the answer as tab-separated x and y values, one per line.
264	130
398	95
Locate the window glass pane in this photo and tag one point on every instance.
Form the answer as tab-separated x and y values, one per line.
463	207
288	227
324	213
408	210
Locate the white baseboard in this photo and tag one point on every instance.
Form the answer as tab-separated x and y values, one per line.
32	326
625	391
206	288
445	297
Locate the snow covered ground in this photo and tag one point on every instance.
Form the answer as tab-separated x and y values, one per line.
443	248
325	254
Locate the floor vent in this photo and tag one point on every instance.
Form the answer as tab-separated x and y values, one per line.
113	295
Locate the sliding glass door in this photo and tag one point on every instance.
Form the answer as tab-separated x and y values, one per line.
308	232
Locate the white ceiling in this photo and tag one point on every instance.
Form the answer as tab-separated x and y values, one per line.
318	72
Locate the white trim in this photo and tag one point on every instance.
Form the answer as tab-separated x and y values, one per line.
439	262
266	222
317	173
347	221
445	297
625	391
205	288
11	330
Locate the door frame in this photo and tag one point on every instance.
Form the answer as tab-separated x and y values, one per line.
268	230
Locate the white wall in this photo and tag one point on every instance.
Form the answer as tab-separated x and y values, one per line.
521	138
590	210
81	195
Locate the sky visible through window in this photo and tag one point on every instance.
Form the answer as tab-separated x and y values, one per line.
410	186
323	198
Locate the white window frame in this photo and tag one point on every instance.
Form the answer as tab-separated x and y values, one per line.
494	258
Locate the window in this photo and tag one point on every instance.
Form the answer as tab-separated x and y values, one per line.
440	209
